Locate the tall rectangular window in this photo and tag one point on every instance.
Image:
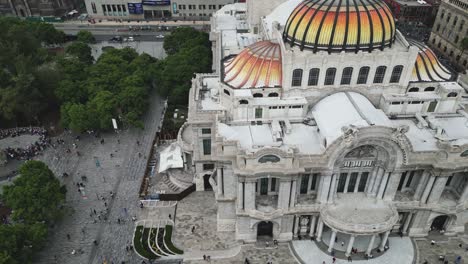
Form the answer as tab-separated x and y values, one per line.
304	183
273	185
396	74
207	146
258	112
410	179
342	182
206	131
124	8
346	76
313	77
313	184
363	74
93	6
380	74
297	77
352	181
363	181
330	76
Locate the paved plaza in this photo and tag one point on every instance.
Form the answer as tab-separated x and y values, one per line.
444	246
93	214
22	141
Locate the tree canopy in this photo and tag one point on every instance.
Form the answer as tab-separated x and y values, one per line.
85	36
36	198
28	77
189	52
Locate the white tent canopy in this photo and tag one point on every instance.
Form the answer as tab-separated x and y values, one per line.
171	158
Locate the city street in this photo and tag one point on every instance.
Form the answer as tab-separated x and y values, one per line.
110	193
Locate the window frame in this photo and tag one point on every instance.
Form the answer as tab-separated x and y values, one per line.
379	77
330	76
346	76
314	75
296	80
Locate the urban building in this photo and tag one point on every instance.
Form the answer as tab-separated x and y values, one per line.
154	9
26	8
450	27
411	11
317	123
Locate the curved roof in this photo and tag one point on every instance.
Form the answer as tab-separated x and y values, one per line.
257	66
427	67
341	109
336	25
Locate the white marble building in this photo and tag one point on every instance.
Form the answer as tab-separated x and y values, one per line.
321	117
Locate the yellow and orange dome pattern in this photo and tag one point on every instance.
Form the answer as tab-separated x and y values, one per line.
337	25
427	67
257	66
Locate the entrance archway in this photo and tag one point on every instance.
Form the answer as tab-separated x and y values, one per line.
439	222
206	182
265	228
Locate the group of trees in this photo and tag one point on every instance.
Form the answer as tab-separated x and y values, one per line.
36	198
188	52
35	81
28	74
116	86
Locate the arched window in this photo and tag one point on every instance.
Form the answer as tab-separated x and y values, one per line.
243	101
458	57
448	17
464	63
313	77
455	21
380	74
451	53
452	94
438	45
462	23
413	90
269	158
297	77
443	14
330	76
363	74
396	74
438	27
273	95
456	39
257	95
445	49
429	89
433	41
227	92
346	76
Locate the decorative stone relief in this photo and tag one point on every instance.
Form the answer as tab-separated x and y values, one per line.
349	134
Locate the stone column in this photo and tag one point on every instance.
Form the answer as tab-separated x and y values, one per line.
407	222
378	181
249	195
240	196
325	188
292	196
219	182
371	245
464	195
384	240
358	179
427	189
283	195
296	225
319	230
350	245
421	184
437	190
382	185
331	196
312	225
392	186
348	178
332	241
372	176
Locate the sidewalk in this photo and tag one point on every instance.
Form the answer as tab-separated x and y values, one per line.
135	23
214	254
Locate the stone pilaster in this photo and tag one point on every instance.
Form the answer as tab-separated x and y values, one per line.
240	195
325	188
283	196
407	222
249	195
427	189
319	229
313	221
421	184
371	245
382	185
392	186
331	196
439	186
378	181
292	197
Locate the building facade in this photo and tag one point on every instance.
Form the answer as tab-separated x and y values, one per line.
450	27
326	122
411	11
25	8
154	9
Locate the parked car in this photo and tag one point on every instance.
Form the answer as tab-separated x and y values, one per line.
116	39
159	36
130	39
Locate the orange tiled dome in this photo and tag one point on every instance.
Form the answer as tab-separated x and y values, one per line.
257	66
427	67
336	25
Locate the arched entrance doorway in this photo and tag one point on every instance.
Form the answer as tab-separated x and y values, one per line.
265	228
439	222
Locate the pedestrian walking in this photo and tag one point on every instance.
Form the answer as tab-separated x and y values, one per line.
193	229
350	259
170	217
204	257
333	260
118	220
68	236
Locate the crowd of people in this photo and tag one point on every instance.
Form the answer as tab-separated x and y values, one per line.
30	151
